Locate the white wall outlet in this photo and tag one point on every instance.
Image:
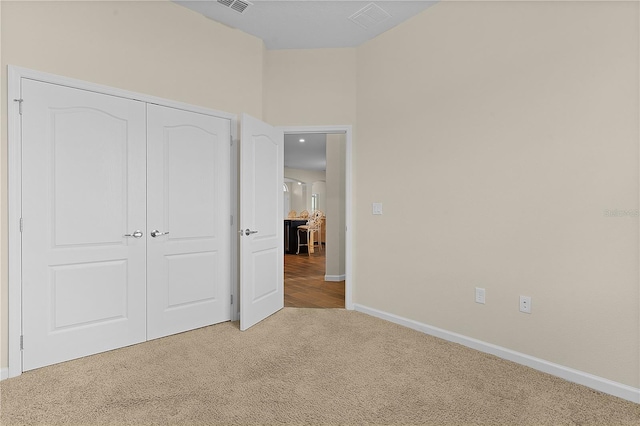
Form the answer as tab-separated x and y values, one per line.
376	208
480	295
525	304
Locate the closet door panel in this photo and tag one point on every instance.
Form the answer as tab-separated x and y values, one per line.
83	191
188	212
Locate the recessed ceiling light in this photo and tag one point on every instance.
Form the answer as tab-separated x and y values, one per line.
299	183
301	140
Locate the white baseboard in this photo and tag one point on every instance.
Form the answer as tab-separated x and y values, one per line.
594	382
4	373
334	277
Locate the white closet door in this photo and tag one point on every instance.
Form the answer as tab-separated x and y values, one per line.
83	190
261	213
188	274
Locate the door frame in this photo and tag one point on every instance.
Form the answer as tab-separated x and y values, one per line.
235	255
14	197
347	130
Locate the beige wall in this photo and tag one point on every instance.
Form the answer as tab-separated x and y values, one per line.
336	197
152	47
516	126
320	188
298	198
301	194
156	48
310	87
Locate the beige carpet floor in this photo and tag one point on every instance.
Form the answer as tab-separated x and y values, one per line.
302	366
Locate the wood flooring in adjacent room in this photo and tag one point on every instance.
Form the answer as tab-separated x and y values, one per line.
304	284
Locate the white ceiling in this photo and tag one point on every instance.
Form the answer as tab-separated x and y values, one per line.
310	24
308	155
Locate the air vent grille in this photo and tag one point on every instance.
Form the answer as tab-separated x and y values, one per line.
238	5
370	15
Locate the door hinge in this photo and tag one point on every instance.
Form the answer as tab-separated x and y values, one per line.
19	101
232	299
21	343
230	140
231	220
21	225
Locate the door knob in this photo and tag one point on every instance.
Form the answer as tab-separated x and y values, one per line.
249	232
135	234
155	233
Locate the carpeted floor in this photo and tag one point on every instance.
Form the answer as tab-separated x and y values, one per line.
302	366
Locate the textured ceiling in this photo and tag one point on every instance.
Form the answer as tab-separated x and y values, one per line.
309	24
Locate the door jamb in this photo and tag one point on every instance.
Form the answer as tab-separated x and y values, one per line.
14	172
348	132
14	203
235	203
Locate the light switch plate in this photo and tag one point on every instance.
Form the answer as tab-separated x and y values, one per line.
377	208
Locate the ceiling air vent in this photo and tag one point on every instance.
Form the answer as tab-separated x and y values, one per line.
370	15
237	5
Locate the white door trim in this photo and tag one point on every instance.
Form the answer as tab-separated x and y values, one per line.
15	74
347	130
14	206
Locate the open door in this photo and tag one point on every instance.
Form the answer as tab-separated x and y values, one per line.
261	226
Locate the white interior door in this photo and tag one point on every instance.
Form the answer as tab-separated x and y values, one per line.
188	212
261	225
83	287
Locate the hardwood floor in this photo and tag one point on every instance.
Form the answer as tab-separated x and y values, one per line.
304	284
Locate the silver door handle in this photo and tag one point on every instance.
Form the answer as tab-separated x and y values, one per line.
156	233
249	232
136	234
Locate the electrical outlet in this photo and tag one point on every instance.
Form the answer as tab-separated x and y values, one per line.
525	304
480	295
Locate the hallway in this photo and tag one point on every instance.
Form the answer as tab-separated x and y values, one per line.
304	284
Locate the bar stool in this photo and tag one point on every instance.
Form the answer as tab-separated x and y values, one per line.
319	218
309	228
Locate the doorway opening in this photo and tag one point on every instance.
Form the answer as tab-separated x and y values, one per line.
315	181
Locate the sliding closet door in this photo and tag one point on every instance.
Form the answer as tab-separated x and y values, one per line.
83	258
188	275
